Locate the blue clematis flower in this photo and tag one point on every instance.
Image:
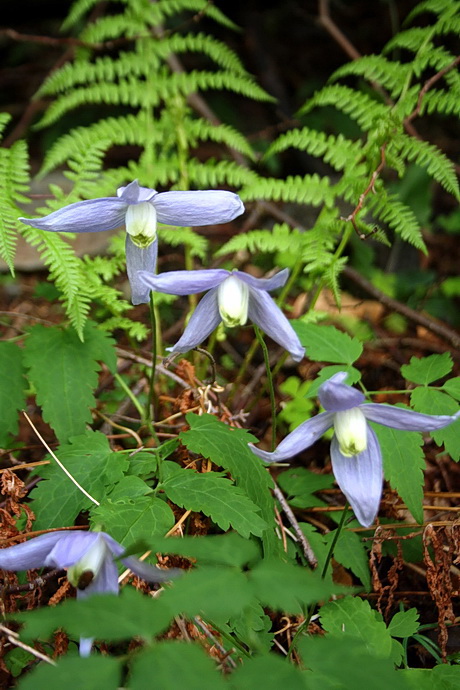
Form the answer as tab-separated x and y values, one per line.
139	208
89	559
233	297
355	451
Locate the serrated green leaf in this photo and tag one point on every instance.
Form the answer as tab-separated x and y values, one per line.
403	464
327	343
351	553
253	627
132	520
343	663
453	387
213	495
56	500
354	617
228	447
219	549
425	370
175	665
431	401
63	370
289	588
212	592
12	396
93	673
269	671
102	616
301	484
127	488
404	623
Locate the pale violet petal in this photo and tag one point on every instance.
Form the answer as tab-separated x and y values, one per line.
86	644
29	554
70	548
138	259
360	477
298	440
336	396
197	208
263	311
150	573
184	282
134	194
94	215
273	283
203	321
405	420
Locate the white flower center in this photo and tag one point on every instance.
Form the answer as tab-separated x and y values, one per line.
351	431
141	223
83	572
233	297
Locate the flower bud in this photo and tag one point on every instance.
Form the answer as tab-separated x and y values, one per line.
351	431
141	223
233	297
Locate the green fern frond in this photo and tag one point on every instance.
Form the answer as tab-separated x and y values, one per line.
360	107
411	40
215	173
434	6
166	8
310	189
65	270
4	119
391	75
220	53
184	236
103	69
442	102
281	238
111	27
389	209
14	180
332	274
121	131
77	12
133	93
338	151
201	130
133	329
429	157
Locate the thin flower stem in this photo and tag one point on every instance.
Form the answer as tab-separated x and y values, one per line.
330	553
271	389
130	395
246	362
152	398
337	534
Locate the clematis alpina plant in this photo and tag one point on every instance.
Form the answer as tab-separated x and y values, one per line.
355	451
233	297
139	209
88	558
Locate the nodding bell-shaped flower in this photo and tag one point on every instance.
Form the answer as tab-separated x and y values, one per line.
139	209
233	297
89	558
355	451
